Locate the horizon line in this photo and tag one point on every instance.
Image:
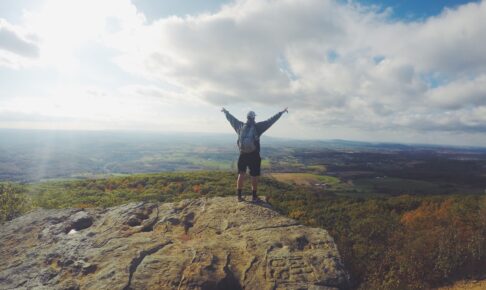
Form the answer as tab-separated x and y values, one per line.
375	143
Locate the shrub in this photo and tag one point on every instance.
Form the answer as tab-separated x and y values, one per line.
13	201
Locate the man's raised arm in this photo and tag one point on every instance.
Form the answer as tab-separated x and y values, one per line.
263	126
235	123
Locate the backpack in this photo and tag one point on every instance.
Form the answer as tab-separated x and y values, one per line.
247	138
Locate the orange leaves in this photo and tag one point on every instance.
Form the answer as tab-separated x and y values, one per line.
441	239
428	213
296	214
84	205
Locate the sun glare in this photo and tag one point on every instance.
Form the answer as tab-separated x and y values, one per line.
64	27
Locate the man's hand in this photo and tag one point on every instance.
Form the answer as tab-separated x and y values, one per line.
285	110
224	110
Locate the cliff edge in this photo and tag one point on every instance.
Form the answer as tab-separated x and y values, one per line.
206	243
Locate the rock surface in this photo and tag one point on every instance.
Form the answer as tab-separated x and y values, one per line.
208	243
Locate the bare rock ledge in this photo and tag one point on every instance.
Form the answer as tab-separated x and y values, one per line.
206	243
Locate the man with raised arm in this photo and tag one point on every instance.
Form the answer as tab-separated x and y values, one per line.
249	144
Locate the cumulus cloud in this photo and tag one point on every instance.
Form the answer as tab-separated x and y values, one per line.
460	94
17	46
12	40
339	64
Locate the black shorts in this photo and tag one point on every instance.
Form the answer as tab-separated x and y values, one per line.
250	160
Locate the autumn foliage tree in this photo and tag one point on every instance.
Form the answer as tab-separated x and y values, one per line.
440	241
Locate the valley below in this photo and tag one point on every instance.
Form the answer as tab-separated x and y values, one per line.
401	216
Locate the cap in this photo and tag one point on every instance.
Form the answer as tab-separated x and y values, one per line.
251	114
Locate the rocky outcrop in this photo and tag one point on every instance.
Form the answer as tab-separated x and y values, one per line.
207	243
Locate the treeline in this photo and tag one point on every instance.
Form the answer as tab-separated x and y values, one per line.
161	187
403	242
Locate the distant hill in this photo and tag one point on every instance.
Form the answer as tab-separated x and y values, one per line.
33	155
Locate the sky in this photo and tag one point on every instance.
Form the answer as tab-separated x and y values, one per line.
404	71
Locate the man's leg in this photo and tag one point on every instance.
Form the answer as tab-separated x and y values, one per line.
254	186
239	184
255	167
242	165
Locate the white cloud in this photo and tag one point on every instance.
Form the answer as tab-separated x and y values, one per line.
18	47
452	43
13	40
460	94
65	28
348	64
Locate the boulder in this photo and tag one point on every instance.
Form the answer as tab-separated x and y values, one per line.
206	243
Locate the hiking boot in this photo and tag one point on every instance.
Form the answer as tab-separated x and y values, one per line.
255	198
240	198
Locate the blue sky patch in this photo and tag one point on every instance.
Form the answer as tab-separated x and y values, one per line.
413	9
378	58
332	56
434	80
284	67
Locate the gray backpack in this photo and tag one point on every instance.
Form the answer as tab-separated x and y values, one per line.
247	138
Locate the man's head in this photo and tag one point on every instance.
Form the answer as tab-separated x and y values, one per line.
251	115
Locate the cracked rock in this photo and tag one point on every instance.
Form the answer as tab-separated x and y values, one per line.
79	221
134	221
